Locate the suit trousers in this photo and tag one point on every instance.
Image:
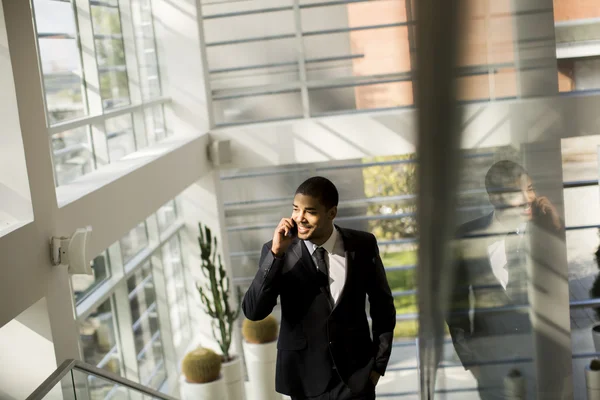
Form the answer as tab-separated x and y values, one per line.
338	390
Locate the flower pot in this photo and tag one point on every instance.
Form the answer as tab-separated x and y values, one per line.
260	364
592	382
203	391
515	388
233	375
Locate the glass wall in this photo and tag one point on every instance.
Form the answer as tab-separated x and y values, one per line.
121	329
321	58
378	195
124	68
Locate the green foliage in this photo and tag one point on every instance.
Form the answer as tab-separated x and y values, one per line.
110	52
201	366
386	181
215	295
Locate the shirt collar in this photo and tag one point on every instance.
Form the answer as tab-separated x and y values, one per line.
497	226
329	245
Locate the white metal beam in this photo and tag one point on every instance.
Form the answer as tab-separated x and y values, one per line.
115	199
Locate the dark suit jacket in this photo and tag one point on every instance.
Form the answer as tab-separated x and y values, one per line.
495	312
316	341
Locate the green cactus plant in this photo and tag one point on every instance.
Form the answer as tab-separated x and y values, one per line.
258	332
201	366
215	295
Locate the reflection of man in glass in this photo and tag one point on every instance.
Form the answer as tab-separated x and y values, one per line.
489	318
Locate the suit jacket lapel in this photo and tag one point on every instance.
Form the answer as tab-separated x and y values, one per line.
350	254
298	254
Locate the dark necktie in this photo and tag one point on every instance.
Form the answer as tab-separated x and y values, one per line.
320	253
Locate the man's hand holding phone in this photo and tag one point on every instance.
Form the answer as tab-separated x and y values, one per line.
283	236
544	209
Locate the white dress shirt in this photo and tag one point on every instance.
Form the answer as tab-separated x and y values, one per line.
497	253
336	262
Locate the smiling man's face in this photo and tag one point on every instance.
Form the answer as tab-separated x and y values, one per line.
314	220
516	203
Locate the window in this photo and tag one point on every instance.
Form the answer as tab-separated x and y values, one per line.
176	293
134	242
110	54
141	312
98	335
146	332
85	284
60	60
122	75
167	215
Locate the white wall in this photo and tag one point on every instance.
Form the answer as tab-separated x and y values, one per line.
26	353
15	200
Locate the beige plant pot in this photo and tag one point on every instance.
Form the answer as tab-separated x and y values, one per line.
261	361
233	375
203	391
592	383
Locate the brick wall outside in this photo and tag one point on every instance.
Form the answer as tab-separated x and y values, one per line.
567	10
486	38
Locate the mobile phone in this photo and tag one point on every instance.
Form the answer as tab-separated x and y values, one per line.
294	231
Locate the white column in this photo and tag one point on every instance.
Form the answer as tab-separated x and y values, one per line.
22	45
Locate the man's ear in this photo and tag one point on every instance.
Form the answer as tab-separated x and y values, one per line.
332	213
497	200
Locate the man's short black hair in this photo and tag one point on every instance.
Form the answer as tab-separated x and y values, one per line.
503	176
320	188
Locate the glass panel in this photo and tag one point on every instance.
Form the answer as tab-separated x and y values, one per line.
146	332
98	339
62	390
103	389
134	242
176	293
114	88
73	156
62	79
60	60
489	84
257	108
155	124
121	140
359	52
386	95
110	53
141	291
83	285
167	215
106	19
147	56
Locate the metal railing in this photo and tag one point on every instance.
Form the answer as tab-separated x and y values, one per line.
56	378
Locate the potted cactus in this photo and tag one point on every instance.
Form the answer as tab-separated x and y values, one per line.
202	378
514	385
592	380
260	352
215	297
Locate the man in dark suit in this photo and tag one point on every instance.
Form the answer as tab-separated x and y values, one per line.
489	318
322	274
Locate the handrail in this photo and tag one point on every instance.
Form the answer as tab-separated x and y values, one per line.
69	365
